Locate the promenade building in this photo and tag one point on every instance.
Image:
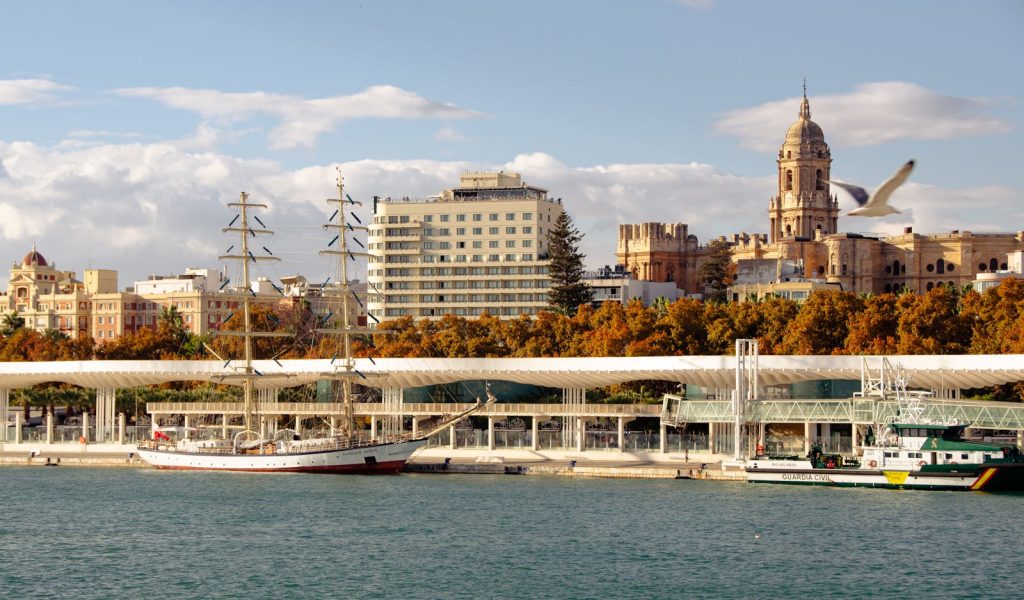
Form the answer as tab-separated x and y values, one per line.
474	249
803	229
50	299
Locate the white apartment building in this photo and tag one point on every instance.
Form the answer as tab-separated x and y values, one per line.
478	248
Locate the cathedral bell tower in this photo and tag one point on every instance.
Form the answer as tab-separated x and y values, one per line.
804	204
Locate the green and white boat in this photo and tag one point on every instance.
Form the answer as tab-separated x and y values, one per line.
905	456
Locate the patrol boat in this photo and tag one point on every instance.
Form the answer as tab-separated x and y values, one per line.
906	454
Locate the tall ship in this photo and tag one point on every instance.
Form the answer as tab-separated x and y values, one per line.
907	453
252	449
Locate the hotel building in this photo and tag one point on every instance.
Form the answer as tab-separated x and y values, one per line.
478	248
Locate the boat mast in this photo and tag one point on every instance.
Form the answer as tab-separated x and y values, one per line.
347	369
246	256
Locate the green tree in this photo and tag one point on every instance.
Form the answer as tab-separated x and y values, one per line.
715	271
11	323
567	291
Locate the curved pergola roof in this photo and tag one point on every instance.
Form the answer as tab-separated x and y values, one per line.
929	372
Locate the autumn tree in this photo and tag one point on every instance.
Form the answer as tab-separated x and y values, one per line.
874	329
932	323
567	291
822	325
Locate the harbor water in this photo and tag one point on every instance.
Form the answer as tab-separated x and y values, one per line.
137	533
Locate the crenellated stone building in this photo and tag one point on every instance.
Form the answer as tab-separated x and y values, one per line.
803	222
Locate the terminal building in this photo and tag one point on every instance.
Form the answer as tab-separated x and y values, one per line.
803	225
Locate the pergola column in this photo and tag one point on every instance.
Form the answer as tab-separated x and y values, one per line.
392	398
5	397
622	434
807	438
534	432
105	403
711	437
574	400
373	427
662	434
85	425
490	433
49	428
120	429
451	437
188	425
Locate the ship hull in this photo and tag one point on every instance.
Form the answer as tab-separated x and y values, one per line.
979	478
380	459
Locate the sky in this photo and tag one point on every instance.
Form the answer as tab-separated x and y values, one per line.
125	127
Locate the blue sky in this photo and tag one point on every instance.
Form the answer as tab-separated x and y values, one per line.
124	126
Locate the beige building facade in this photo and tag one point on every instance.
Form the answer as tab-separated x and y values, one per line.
803	221
50	299
478	248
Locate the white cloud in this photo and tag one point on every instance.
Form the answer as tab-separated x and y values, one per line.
449	134
302	120
874	113
29	91
158	208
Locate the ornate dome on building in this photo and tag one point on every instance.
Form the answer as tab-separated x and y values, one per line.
804	130
34	258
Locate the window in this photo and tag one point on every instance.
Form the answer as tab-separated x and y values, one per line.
510	216
478	231
477	217
428	218
444	218
527	257
492	244
443	245
460	244
527	216
493	216
460	231
510	243
527	243
527	230
510	230
492	231
460	217
789	180
444	231
478	244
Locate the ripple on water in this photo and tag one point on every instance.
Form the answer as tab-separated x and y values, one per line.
91	533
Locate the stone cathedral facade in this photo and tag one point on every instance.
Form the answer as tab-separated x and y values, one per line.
803	232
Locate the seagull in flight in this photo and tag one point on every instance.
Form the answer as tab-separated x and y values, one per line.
876	205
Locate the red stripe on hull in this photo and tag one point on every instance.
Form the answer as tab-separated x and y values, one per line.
381	468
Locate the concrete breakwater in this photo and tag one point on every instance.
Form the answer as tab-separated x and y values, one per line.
590	471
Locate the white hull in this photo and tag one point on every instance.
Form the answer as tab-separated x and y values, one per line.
368	459
865	478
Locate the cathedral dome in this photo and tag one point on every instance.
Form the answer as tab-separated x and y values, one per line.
33	258
804	130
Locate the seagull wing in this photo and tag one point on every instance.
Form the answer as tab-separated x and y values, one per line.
883	192
860	195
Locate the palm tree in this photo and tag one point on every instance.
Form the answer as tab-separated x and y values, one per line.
11	323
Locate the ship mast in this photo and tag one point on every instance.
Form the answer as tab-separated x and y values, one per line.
245	231
346	370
